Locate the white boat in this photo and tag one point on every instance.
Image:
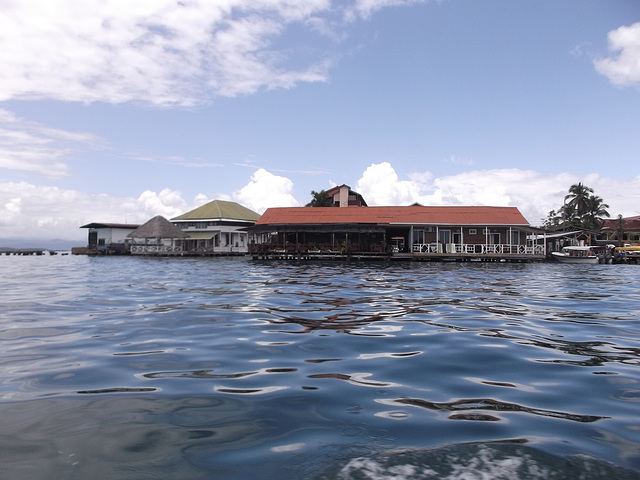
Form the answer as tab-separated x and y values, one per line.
576	255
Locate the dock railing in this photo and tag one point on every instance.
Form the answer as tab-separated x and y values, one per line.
154	249
480	249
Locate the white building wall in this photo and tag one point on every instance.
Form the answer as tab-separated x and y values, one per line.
119	235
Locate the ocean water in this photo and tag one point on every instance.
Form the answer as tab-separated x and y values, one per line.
206	368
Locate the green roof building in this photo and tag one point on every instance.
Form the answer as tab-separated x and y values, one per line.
217	227
219	210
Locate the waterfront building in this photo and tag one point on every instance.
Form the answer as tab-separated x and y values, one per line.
158	236
413	232
628	228
108	238
218	227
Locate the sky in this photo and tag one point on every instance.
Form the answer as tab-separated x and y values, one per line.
120	110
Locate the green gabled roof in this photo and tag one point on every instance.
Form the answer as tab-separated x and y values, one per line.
220	209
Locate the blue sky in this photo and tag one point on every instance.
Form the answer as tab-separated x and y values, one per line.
126	110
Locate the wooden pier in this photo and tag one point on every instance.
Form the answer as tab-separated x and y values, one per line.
30	251
400	257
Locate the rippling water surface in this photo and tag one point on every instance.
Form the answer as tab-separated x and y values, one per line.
127	368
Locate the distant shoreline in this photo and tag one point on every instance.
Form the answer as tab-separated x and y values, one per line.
7	251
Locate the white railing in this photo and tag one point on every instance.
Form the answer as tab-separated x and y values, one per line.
481	248
143	249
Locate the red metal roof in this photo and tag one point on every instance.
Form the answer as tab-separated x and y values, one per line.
628	224
411	215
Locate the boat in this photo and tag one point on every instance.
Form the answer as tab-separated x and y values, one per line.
573	254
627	254
630	250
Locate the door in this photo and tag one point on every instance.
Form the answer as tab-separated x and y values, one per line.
93	239
444	238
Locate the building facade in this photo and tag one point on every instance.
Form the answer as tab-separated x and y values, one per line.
218	227
343	196
109	238
413	231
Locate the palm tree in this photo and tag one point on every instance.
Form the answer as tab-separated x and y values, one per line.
320	199
596	209
578	197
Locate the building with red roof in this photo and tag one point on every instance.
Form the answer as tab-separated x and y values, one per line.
416	231
628	228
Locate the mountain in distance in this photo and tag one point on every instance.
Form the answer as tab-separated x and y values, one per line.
56	244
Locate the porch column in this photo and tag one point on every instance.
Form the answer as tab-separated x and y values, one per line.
486	239
410	239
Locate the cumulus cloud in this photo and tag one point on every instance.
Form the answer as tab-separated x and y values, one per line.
266	190
623	67
165	52
380	185
46	212
34	148
533	193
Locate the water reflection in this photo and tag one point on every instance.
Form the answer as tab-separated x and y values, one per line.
490	404
361	379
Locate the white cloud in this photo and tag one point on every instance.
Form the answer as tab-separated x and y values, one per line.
167	203
32	211
365	8
34	148
623	68
46	212
266	190
161	52
380	185
533	193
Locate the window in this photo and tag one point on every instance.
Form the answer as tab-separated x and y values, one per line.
473	231
418	236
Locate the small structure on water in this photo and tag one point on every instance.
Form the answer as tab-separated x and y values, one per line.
217	228
157	237
401	232
108	238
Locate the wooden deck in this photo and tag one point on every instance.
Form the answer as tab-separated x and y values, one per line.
406	257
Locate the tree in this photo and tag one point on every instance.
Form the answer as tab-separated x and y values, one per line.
596	209
554	219
578	197
581	209
320	199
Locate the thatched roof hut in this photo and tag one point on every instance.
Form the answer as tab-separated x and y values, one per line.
158	227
